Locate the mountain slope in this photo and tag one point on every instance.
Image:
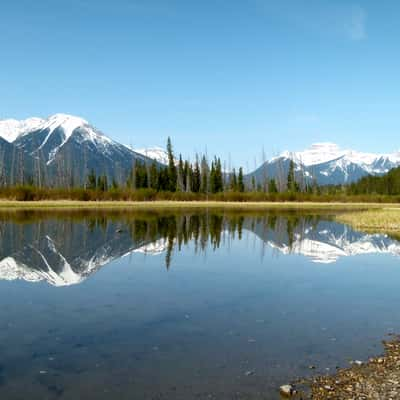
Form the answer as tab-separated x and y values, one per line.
15	165
155	153
69	147
327	164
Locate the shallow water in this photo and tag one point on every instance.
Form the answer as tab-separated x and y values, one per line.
188	306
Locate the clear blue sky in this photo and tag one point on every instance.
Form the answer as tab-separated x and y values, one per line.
231	76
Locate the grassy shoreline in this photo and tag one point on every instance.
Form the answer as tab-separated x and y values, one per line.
57	204
385	220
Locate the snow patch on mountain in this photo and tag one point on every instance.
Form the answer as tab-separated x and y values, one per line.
320	153
11	270
155	248
326	247
65	125
69	124
11	129
155	153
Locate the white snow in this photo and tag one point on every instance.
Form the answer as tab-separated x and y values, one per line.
330	249
342	159
155	248
318	153
11	129
155	153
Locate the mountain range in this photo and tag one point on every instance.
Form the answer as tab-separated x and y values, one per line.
61	147
328	164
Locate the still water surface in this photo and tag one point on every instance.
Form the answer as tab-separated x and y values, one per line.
186	306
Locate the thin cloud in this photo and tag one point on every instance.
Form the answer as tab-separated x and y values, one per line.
322	17
357	27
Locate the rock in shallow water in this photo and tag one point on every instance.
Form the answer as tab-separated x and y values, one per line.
287	390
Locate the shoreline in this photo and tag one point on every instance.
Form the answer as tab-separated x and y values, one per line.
334	206
376	378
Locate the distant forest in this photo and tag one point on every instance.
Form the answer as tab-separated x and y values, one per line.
204	180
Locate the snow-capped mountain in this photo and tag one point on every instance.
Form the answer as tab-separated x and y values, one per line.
327	163
66	147
51	135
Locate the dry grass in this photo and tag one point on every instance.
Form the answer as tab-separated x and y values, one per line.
70	204
378	220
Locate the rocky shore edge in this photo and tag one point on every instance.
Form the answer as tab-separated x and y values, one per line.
378	378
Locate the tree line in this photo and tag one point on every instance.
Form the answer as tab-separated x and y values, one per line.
202	179
201	176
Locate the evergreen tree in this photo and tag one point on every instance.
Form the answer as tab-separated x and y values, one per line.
253	183
291	177
196	178
240	180
219	182
91	180
204	175
102	183
187	176
272	186
114	184
213	183
233	182
172	172
180	175
154	176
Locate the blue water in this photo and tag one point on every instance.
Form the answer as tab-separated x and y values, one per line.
233	321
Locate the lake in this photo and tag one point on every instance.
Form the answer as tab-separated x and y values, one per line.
186	305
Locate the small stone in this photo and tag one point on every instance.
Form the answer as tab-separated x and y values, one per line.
287	390
356	362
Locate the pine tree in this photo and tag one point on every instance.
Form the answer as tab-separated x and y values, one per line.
291	182
219	183
180	175
196	179
204	175
172	173
213	183
154	176
91	180
187	176
114	184
272	186
233	181
253	183
240	180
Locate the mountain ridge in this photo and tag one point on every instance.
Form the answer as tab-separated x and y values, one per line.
64	142
327	164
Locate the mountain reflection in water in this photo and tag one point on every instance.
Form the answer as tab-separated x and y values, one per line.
66	251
